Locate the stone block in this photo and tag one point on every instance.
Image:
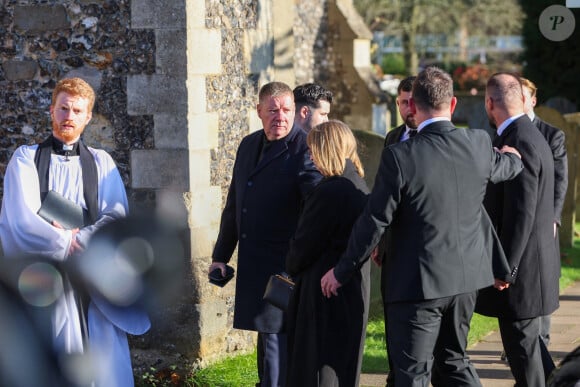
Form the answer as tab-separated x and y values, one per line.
197	94
37	18
158	14
199	169
196	13
204	53
203	131
17	70
202	241
152	94
213	318
158	169
205	207
171	49
170	131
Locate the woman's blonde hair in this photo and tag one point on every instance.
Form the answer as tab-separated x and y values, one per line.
331	143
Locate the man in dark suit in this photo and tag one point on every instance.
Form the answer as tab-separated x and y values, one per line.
409	127
557	142
312	105
272	175
428	192
522	210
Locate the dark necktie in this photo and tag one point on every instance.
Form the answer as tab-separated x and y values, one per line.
413	133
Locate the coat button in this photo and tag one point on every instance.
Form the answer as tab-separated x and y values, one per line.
244	236
250	183
244	210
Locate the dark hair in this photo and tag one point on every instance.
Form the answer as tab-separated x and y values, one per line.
309	94
505	89
432	89
406	84
274	89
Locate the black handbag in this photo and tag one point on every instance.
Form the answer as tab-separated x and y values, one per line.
278	291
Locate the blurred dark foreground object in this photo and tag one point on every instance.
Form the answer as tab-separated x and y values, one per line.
567	374
135	261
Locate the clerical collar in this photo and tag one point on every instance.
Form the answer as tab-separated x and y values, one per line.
62	149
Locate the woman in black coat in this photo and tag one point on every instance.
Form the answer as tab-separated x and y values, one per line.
326	335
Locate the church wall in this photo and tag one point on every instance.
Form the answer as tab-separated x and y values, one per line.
177	85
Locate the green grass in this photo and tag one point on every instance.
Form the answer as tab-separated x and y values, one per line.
240	371
235	371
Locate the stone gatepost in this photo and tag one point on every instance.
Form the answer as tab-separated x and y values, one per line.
178	168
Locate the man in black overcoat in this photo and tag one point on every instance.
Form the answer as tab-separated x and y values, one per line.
557	142
272	176
522	210
429	192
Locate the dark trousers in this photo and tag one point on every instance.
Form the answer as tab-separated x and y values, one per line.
522	348
272	357
431	333
545	324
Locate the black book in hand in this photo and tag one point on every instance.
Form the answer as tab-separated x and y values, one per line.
56	207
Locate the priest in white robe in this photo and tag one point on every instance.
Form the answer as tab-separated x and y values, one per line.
89	178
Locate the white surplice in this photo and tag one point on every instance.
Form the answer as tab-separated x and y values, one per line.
23	232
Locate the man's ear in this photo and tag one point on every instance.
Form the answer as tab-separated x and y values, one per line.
452	105
258	111
304	111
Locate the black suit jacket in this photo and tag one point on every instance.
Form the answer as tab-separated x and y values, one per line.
522	211
557	142
260	217
394	136
429	191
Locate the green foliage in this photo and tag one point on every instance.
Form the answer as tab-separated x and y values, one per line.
237	371
552	66
393	64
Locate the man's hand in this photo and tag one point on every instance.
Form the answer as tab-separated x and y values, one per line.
375	257
329	284
216	265
501	285
75	247
509	149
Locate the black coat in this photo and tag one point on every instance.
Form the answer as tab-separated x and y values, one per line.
394	135
522	210
260	217
557	142
325	336
429	191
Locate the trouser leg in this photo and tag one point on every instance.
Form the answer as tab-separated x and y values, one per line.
452	366
522	347
271	356
545	324
413	330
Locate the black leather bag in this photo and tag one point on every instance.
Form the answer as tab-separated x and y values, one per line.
279	290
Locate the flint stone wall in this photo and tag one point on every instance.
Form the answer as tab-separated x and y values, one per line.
176	85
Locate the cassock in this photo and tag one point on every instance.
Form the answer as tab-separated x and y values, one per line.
24	233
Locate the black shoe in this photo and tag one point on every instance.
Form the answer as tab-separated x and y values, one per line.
503	356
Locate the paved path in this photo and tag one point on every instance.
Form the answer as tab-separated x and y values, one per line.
565	336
